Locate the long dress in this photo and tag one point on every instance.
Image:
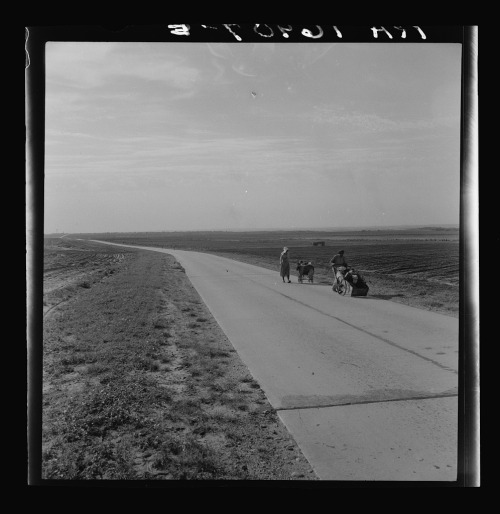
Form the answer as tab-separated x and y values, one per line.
284	265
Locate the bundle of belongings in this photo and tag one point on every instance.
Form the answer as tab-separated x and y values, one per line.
305	269
357	282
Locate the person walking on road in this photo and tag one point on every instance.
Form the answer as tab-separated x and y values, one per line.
285	265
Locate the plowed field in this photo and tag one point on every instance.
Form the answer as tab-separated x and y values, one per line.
417	267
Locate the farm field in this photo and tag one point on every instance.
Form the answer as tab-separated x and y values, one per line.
417	267
140	382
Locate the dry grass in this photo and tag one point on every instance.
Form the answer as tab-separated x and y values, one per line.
141	383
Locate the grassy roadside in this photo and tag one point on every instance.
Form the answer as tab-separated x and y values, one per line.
141	383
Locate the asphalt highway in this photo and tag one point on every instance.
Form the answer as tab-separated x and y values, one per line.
367	387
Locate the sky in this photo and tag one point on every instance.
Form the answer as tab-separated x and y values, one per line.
241	136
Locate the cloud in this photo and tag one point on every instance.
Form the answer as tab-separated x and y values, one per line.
374	123
173	72
89	65
80	64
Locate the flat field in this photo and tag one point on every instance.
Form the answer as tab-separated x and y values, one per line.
417	266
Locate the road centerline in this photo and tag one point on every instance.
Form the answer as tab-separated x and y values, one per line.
365	402
383	339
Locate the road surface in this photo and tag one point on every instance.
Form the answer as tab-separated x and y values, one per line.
367	387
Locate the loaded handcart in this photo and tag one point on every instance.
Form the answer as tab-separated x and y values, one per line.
305	269
348	281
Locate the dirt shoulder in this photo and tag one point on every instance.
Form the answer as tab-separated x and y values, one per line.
140	382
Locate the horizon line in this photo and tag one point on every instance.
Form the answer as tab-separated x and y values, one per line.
295	229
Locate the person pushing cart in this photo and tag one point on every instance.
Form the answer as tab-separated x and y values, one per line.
338	260
339	266
347	279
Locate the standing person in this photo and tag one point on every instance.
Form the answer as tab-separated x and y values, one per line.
285	265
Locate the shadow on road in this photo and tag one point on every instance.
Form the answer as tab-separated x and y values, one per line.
307	283
383	296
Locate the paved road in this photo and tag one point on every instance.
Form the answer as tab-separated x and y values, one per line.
367	387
